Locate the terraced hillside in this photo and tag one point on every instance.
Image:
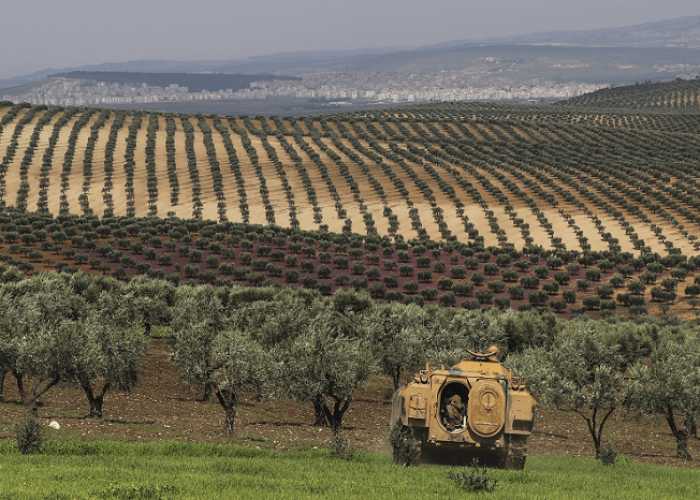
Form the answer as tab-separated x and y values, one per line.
679	96
560	177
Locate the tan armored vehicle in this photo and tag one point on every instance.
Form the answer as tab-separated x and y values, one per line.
476	409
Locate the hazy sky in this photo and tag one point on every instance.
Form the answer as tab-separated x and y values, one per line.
40	34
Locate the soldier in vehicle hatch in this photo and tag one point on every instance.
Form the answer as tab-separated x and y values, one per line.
453	412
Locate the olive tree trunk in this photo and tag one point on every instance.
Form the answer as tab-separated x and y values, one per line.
335	417
95	401
595	428
31	397
690	425
2	385
209	390
319	412
680	433
228	400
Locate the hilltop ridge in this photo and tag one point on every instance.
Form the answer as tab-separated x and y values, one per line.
678	33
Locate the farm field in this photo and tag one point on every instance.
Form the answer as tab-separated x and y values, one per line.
612	180
419	271
681	95
559	176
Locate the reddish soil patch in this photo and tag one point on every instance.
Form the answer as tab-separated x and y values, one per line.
162	408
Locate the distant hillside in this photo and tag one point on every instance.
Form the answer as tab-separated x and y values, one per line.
678	32
286	62
609	65
195	82
679	95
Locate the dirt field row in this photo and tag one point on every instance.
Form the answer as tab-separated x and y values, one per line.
412	174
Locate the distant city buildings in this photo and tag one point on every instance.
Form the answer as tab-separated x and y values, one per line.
330	86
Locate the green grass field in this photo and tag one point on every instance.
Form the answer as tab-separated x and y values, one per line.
168	470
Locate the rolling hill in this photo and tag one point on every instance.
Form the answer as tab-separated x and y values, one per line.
567	178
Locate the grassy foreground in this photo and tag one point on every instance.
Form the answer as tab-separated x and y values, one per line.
170	470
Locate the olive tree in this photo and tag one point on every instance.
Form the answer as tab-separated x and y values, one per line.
395	333
275	322
448	335
3	373
668	384
105	349
580	373
328	362
198	317
30	356
209	353
29	347
155	301
239	365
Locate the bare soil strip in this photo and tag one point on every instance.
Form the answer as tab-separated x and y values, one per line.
614	226
256	123
12	175
252	182
393	126
98	173
228	179
161	159
119	175
208	196
4	110
277	196
521	135
485	132
475	212
341	186
454	223
8	131
305	214
445	132
301	125
33	173
230	185
476	130
140	171
673	233
54	188
585	223
375	206
643	230
183	209
398	203
24	137
333	127
560	226
76	177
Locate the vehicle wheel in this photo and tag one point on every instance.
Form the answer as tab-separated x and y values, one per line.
406	449
516	453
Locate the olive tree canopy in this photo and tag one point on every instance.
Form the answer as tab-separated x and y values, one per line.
581	373
668	384
328	362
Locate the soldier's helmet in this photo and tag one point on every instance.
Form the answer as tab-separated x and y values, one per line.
456	402
493	351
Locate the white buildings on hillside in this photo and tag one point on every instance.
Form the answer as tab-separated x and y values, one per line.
333	86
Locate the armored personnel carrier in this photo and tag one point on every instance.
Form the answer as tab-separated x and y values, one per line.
476	409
